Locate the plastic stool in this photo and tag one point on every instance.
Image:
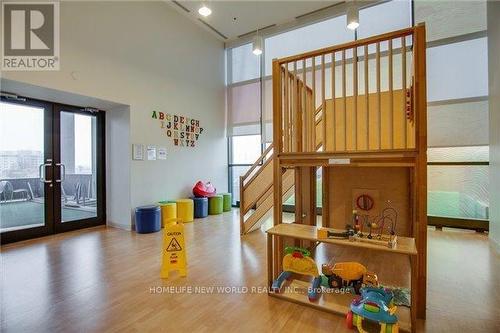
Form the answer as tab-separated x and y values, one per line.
227	202
215	205
147	219
168	211
200	207
185	210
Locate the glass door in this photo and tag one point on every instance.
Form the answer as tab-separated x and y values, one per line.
79	167
51	168
26	169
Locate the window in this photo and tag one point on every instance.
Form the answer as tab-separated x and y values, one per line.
326	33
244	64
457	124
245	149
385	17
457	70
456	187
444	19
243	152
243	103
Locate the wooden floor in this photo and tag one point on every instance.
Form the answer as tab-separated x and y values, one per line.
102	279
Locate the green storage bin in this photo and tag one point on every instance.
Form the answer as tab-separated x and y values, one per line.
215	205
227	202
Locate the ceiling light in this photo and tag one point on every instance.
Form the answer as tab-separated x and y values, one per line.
204	10
257	45
352	16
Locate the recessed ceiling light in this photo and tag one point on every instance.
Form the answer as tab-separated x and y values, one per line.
204	11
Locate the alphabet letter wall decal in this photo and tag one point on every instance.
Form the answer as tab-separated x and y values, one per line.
183	131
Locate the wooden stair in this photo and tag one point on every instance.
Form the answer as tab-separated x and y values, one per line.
256	187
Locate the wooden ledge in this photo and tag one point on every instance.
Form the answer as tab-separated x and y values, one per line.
405	245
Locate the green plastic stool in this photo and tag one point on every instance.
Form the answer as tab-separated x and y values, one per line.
227	202
215	205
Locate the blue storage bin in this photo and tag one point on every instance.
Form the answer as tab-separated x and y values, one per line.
147	219
200	207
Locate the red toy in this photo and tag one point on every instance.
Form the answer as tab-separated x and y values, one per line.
202	189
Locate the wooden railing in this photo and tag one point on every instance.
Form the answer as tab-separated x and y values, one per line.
256	186
362	90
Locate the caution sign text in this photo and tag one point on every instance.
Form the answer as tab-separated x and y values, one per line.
174	250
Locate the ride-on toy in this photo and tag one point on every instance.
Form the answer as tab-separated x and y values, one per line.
298	260
373	311
348	274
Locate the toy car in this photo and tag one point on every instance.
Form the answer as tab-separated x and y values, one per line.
373	311
348	274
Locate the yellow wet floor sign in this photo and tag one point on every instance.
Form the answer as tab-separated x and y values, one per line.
174	250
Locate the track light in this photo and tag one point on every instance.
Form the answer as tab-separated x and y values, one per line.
204	10
352	16
257	45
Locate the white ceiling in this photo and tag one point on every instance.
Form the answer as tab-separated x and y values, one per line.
238	17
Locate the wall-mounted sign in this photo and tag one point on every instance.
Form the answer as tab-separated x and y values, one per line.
151	153
184	131
137	152
162	153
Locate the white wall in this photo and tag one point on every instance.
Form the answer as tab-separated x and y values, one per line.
494	102
146	56
118	192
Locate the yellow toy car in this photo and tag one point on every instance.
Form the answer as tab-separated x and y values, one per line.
348	274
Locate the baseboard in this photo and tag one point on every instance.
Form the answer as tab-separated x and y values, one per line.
118	226
495	245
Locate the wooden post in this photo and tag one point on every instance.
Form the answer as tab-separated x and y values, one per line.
304	107
334	125
270	273
379	100
323	103
420	93
367	100
294	108
286	120
278	149
403	86
242	216
345	98
312	116
391	97
355	95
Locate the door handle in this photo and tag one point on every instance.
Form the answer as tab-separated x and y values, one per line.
41	168
62	174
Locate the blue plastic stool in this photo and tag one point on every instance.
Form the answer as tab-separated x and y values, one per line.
147	219
200	207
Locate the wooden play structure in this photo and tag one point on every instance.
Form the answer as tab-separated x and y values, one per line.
357	113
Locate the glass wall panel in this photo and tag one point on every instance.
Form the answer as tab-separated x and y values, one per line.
244	64
243	103
458	191
326	33
235	172
245	149
457	70
386	17
444	19
460	124
458	154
